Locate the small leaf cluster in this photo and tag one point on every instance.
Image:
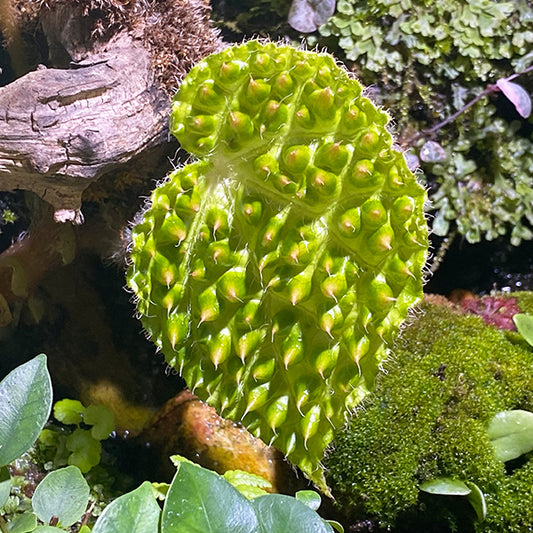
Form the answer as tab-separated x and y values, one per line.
61	498
457	38
211	503
78	444
428	421
486	183
427	60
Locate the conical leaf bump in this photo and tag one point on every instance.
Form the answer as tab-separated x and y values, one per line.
274	272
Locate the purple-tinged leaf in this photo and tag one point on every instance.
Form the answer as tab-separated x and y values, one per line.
432	152
517	95
307	15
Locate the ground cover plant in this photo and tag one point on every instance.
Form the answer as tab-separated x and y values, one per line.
427	61
60	500
445	441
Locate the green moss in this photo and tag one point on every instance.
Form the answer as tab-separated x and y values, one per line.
427	418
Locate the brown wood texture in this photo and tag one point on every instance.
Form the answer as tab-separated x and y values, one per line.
62	128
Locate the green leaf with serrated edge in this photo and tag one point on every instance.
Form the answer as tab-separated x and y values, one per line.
278	513
22	523
201	501
69	411
309	498
511	433
524	325
63	493
477	500
101	419
160	490
446	486
25	404
304	295
134	512
249	485
5	485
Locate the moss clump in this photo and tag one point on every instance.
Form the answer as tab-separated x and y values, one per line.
428	417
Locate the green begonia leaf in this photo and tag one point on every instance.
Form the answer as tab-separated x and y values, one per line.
201	501
134	512
63	493
446	486
511	433
25	404
250	485
278	513
524	325
22	523
47	529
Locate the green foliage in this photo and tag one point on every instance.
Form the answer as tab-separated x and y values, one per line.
427	60
25	405
456	37
524	325
64	494
429	418
511	433
486	185
79	446
202	501
250	485
455	487
274	273
134	512
26	400
197	499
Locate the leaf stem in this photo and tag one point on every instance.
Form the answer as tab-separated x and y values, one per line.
492	88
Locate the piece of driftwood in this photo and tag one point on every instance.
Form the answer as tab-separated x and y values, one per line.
61	129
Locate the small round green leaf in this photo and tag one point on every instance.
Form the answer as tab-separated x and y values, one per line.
445	486
511	433
22	523
201	501
102	420
63	493
25	404
477	500
278	513
5	485
134	512
310	498
69	411
524	325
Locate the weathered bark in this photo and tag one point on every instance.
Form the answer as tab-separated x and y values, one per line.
62	129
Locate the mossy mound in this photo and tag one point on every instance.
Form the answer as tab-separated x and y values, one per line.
449	375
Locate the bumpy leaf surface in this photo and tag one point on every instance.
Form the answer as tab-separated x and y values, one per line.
274	272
